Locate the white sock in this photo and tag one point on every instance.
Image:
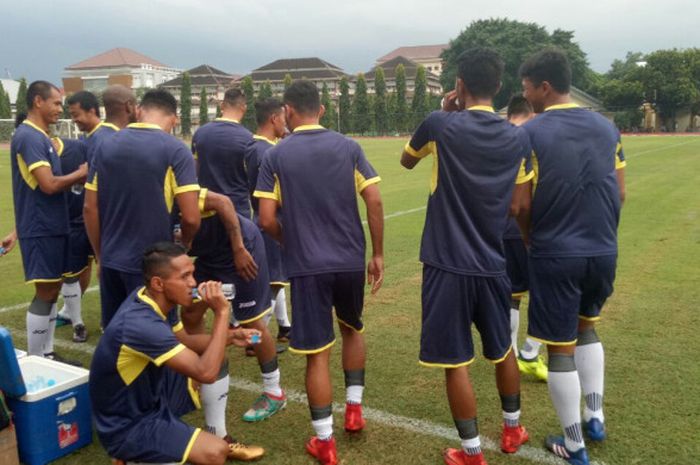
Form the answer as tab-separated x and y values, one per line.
471	446
590	363
530	349
514	324
565	391
48	347
271	383
72	295
280	306
214	397
323	428
37	331
511	419
354	394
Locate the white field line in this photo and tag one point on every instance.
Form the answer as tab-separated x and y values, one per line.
658	149
413	425
401	213
26	304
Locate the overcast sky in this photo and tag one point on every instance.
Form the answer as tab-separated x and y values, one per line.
39	39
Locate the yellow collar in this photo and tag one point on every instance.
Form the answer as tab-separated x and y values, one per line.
562	106
30	124
257	137
144	126
228	120
481	108
105	124
308	127
142	295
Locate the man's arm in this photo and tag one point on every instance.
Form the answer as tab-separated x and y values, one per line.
268	218
190	217
222	205
199	343
91	216
375	220
520	207
50	184
620	172
8	242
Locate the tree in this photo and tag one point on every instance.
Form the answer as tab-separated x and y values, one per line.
419	105
344	109
401	105
265	90
381	117
186	105
287	81
21	105
360	106
391	113
249	117
218	110
203	107
5	109
515	41
330	117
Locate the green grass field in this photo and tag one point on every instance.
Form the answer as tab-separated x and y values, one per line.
649	330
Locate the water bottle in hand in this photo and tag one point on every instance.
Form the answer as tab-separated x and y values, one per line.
228	289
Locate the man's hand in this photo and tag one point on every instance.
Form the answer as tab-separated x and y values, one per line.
8	243
242	337
211	294
245	264
375	272
83	172
449	101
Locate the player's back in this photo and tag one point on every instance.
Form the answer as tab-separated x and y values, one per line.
96	136
220	147
576	203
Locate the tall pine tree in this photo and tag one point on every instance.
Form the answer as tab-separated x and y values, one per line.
344	109
401	105
186	105
360	106
392	124
419	106
380	102
265	91
21	104
287	81
5	110
203	107
249	117
330	117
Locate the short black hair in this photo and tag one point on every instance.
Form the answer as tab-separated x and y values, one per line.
41	89
518	105
303	96
265	108
157	257
551	65
481	70
234	96
86	100
19	118
160	99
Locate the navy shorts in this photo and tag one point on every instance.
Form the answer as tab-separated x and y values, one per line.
115	287
562	290
451	303
45	259
275	265
80	250
313	299
253	298
162	437
516	266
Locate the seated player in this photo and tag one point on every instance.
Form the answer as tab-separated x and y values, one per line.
146	367
272	126
228	247
481	158
529	360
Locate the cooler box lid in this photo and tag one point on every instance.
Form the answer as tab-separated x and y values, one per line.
11	381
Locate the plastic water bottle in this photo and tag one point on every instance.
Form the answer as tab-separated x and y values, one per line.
77	189
228	289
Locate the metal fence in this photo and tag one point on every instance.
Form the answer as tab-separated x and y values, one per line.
63	128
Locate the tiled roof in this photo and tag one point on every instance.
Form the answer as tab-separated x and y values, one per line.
116	57
415	52
204	75
310	68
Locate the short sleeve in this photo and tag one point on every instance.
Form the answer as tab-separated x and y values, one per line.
526	172
155	339
252	164
185	171
619	156
268	186
93	167
365	175
35	152
422	143
173	320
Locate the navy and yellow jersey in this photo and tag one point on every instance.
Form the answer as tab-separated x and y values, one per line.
126	373
137	173
253	158
73	153
97	135
36	214
315	175
479	157
576	200
220	148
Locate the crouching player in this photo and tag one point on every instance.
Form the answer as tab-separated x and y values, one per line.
145	368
